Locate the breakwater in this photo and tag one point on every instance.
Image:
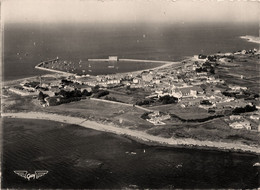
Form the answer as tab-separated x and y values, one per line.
45	65
145	61
41	64
99	60
132	60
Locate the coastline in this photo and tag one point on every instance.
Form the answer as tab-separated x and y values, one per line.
11	82
252	39
166	64
136	135
61	73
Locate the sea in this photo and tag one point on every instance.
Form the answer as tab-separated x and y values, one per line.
81	158
26	45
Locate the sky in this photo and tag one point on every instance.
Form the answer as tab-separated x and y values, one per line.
100	11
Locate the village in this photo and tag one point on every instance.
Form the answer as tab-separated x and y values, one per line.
194	83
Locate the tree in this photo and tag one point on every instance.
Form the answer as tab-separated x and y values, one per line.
96	88
168	99
41	96
86	93
101	93
212	70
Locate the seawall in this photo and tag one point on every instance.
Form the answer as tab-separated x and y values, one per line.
52	70
145	61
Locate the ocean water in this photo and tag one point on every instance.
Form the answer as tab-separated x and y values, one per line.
27	45
77	157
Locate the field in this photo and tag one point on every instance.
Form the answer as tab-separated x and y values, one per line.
129	117
122	115
184	113
248	66
214	130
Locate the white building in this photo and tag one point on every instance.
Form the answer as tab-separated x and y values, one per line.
241	125
113	58
135	81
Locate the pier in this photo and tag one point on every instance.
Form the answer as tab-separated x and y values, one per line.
41	67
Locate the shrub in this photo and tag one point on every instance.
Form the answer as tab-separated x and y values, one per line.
145	115
144	102
101	93
168	99
247	108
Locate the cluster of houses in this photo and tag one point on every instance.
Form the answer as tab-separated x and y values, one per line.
26	88
193	83
250	51
157	118
240	122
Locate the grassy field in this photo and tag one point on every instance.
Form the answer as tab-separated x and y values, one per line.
248	66
129	96
121	97
102	111
185	113
215	130
129	117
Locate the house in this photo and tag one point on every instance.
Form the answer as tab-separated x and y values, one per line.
241	125
52	101
255	117
113	58
89	89
114	81
147	77
176	94
243	51
235	117
200	56
135	81
157	81
55	89
190	91
202	73
49	93
44	85
237	88
69	88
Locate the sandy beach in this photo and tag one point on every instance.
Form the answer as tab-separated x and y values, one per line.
133	133
12	82
252	39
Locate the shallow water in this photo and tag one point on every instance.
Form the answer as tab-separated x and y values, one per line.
77	157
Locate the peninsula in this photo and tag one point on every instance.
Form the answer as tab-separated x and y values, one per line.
205	101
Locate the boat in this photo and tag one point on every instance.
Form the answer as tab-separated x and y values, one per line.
111	66
256	164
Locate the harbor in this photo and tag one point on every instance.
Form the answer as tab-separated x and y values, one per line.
96	66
